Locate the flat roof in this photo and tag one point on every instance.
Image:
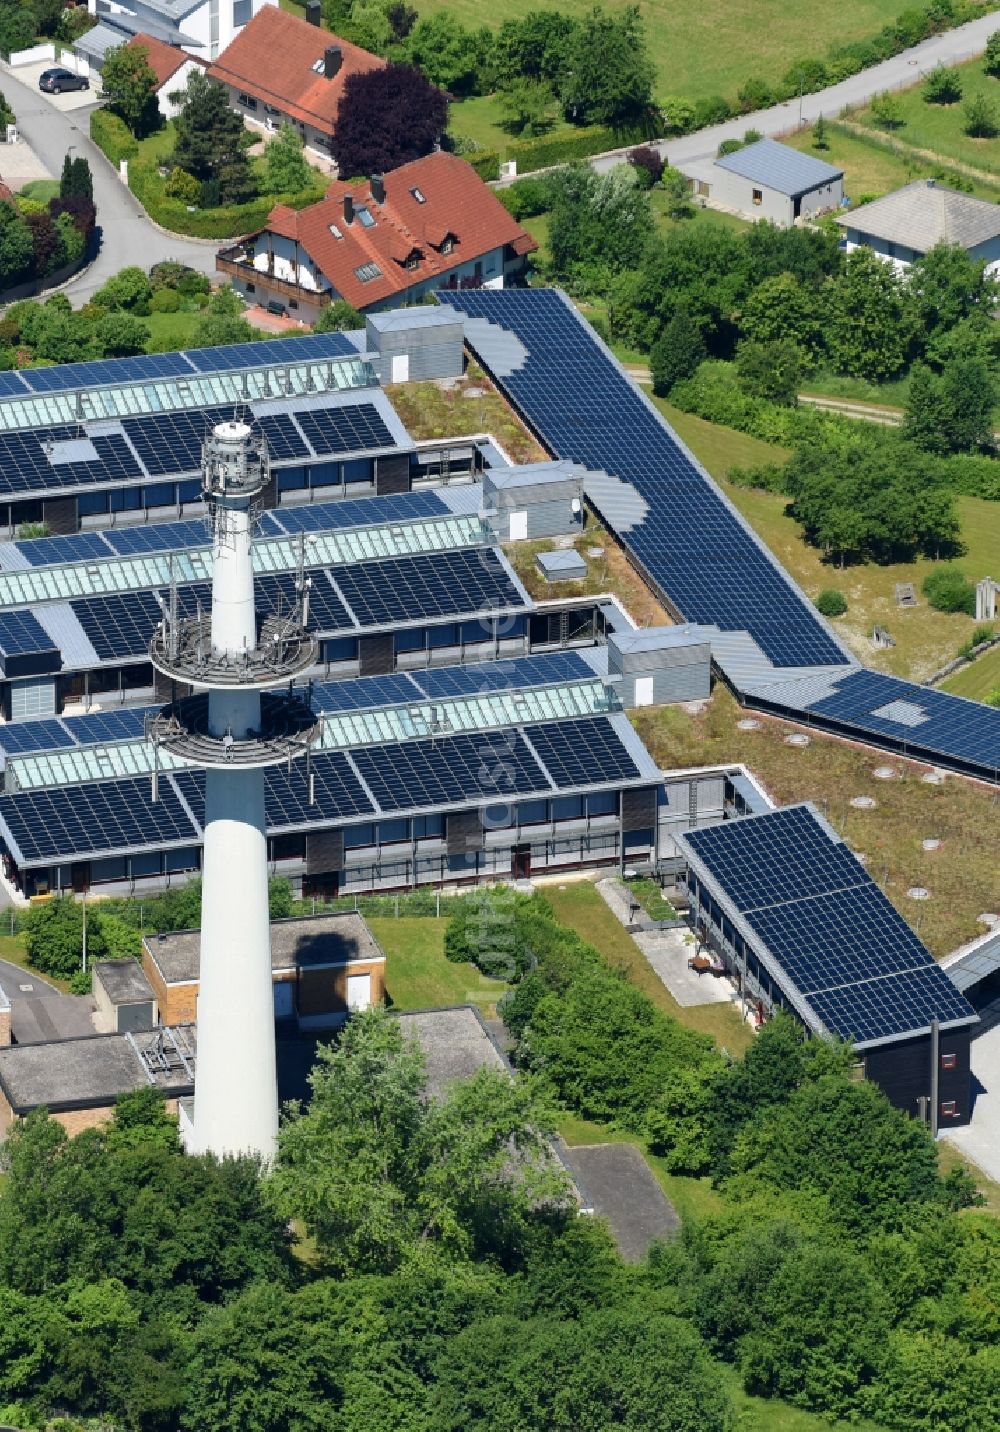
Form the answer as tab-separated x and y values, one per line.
123	981
92	1071
533	474
334	939
776	166
455	1044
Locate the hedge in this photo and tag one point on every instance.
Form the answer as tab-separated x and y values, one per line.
112	135
532	154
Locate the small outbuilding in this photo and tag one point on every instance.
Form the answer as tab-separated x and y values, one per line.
768	180
537	499
909	222
123	995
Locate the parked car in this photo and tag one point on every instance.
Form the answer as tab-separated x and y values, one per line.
56	80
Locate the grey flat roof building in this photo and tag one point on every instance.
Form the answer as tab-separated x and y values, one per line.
91	1072
123	981
316	941
776	166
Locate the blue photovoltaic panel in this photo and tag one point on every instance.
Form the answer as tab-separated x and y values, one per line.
275	592
365	693
12	384
835	938
22	634
691	543
582	753
18	738
49	551
549	669
406	589
88	819
106	726
354	427
158	537
360	512
120	627
918	718
337	790
308	349
452	771
106	371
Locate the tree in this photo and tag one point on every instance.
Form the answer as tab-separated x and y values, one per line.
17	250
771	370
886	111
379	1174
338	315
949	286
942	86
533	48
76	180
387	117
119	335
609	73
783	308
677	192
586	208
649	161
129	289
526	107
980	118
130	84
677	352
871	318
924	420
287	169
446	52
991	59
820	140
210	140
970	394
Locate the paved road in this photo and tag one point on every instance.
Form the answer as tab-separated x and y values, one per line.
39	1012
903	69
126	234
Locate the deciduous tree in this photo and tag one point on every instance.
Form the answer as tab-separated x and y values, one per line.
129	83
387	117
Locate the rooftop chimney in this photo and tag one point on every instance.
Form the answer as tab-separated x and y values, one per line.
333	58
348	209
313	12
378	188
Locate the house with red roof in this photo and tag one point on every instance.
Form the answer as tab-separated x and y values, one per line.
281	69
428	225
172	67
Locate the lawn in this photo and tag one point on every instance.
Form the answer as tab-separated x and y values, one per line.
720	449
471	405
417	974
712	48
870	168
938	127
170	331
962	875
41	189
578	905
650	897
925	639
979	679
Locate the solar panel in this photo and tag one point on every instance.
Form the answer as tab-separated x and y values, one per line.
104	816
157	537
310	348
582	753
283	438
355	427
833	936
548	669
276	592
691	543
119	627
26	649
19	737
364	693
359	512
451	771
338	793
405	589
102	372
50	551
172	442
11	384
99	727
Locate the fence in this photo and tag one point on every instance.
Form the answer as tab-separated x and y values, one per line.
48	52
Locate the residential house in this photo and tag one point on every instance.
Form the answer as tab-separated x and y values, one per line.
172	66
202	27
284	70
768	180
432	224
909	222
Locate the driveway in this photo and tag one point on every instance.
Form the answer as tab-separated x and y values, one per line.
980	1139
38	1012
69	100
126	236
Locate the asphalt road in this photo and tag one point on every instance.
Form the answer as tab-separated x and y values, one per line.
40	1012
904	69
126	235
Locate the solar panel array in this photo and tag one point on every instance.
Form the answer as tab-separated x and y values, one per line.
944	727
406	589
478	676
582	753
692	545
97	817
356	427
825	928
454	771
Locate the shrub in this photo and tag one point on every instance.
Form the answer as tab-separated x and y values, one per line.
183	186
982	633
754	94
831	603
165	300
942	86
947	589
526	197
981	118
886	111
729	146
112	135
647	161
991	59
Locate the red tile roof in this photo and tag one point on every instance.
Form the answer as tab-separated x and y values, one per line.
455	201
272	58
164	60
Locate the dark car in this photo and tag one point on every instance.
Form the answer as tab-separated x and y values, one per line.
56	80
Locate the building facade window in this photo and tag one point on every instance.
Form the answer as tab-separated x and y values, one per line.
949	1061
247	101
949	1109
758	196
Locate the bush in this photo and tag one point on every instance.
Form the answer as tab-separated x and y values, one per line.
338	315
981	118
526	197
991	59
831	603
647	161
942	86
947	589
984	632
165	300
112	135
183	186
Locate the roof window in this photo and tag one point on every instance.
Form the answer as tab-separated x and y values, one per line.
420	197
335	231
364	218
367	272
317	66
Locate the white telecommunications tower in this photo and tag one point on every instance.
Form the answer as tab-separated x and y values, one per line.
235	726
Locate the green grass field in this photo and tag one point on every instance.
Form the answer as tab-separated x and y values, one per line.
977	680
938	127
417	974
871	168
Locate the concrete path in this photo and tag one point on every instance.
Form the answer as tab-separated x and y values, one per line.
667	951
39	1012
126	236
902	70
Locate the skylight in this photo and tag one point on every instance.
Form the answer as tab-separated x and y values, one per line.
335	232
317	66
420	197
364	218
367	272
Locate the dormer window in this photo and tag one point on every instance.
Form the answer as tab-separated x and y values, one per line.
413	260
420	198
448	244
